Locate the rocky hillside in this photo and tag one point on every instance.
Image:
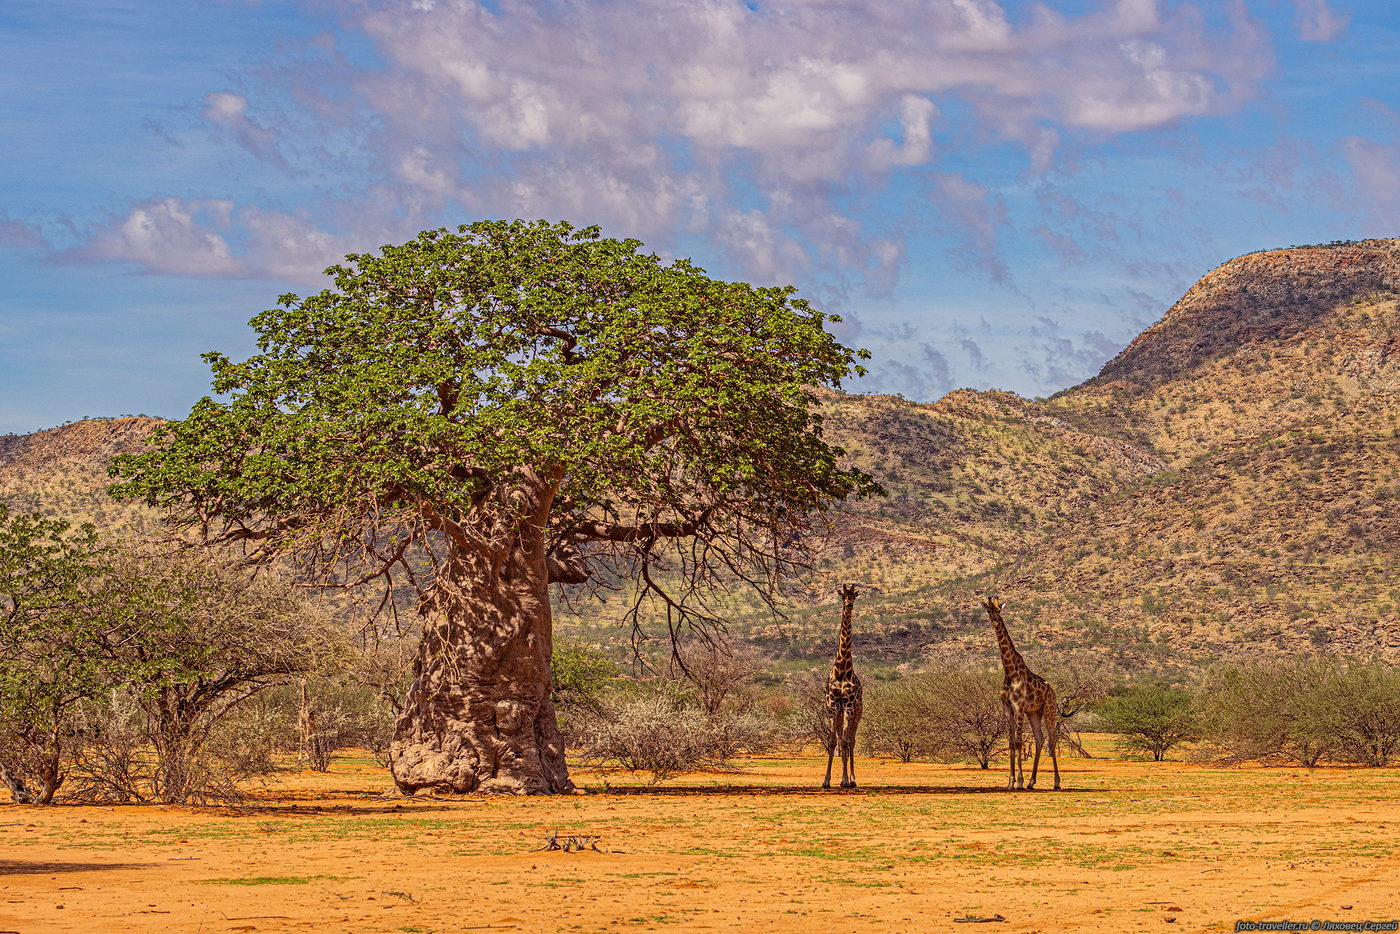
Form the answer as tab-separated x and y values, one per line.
63	471
1229	482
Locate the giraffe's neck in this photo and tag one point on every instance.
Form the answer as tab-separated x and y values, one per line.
841	667
1010	658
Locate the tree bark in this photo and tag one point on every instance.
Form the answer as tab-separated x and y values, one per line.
478	717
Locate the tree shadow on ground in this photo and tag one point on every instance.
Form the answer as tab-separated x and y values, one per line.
409	806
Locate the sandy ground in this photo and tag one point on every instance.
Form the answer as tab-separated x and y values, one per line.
1127	846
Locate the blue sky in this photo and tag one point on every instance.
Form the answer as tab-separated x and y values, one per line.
992	194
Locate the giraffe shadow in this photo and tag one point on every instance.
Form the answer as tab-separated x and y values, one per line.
769	791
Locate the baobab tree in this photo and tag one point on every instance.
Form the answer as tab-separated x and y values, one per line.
485	412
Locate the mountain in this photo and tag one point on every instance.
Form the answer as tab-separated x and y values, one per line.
1229	482
63	471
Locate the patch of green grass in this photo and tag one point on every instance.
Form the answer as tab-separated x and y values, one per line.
269	880
861	852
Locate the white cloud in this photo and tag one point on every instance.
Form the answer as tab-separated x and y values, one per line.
1317	22
1377	171
761	129
213	239
916	117
283	246
168	235
724	110
229	110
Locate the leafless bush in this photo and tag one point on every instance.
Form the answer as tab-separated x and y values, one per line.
654	729
648	733
1080	678
807	719
722	675
121	758
899	719
952	712
734	733
969	719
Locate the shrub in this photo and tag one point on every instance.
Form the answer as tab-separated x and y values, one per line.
122	666
334	712
898	720
1369	720
951	713
1149	719
1304	710
807	719
656	728
969	719
120	760
583	675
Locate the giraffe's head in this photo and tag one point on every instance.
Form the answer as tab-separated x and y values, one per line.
852	589
993	606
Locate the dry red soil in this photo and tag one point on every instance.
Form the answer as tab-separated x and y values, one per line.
1127	846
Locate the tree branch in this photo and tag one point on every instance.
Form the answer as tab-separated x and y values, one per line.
588	530
564	337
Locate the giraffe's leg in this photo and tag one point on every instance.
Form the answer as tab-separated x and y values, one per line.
1010	744
1038	729
845	760
853	720
1052	732
1020	751
831	744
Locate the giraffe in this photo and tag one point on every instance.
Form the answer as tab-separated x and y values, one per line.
1027	697
843	697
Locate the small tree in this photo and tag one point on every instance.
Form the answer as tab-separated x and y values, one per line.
49	659
183	641
1150	719
969	719
723	675
809	719
898	719
508	406
1370	715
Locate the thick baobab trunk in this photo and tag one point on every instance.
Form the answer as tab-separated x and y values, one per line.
478	717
